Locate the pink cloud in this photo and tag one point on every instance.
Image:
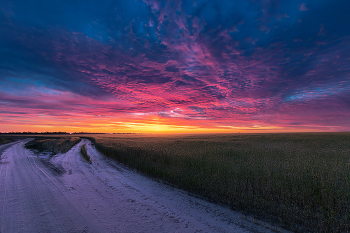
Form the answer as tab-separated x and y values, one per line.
303	7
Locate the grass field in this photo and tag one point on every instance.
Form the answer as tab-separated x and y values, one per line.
301	181
6	140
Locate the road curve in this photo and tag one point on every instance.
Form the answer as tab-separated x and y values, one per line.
68	194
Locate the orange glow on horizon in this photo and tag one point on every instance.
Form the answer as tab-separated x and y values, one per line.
148	128
138	123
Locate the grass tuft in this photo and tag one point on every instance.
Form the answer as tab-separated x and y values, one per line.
85	154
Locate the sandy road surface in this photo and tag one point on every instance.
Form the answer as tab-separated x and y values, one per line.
71	195
3	147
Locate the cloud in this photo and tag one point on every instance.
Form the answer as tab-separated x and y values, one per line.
303	7
220	62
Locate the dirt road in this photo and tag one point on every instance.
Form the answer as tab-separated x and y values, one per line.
70	195
4	147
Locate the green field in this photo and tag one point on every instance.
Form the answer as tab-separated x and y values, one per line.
299	181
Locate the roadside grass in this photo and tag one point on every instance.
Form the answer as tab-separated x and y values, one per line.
298	181
84	153
54	145
6	140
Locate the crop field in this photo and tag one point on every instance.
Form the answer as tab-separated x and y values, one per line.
299	181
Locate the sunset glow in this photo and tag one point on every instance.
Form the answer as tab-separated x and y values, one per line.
175	66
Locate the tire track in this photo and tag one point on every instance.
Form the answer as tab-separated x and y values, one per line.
35	201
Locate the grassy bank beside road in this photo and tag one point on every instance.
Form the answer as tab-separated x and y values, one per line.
6	140
55	145
301	181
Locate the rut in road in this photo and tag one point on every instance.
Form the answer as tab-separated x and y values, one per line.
103	196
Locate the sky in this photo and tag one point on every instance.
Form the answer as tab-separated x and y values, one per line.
190	66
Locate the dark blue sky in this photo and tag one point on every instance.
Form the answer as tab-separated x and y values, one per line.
264	65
